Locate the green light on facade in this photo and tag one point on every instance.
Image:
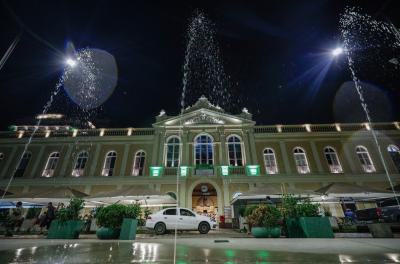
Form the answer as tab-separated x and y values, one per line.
225	170
184	170
156	171
253	170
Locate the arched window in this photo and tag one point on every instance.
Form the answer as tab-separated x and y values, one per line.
394	153
138	164
80	164
23	164
204	151
270	161
109	164
333	160
365	159
51	164
172	152
300	159
235	151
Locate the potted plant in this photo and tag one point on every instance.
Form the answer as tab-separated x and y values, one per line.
130	222
264	220
117	221
68	223
302	218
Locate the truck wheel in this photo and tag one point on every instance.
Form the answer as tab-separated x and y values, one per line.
160	229
204	228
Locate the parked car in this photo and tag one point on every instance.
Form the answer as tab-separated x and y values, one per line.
388	214
185	220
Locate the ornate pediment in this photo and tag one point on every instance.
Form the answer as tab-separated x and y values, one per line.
203	113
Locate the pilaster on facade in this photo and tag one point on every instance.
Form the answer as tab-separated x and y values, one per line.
285	157
225	186
316	157
95	161
35	169
223	157
8	162
66	160
247	153
156	143
348	156
252	146
124	160
185	147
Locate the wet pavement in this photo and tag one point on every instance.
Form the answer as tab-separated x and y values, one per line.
199	251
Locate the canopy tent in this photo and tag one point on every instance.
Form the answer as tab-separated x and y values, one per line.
141	194
50	194
274	189
340	189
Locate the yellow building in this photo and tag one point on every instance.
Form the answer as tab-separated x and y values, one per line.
219	155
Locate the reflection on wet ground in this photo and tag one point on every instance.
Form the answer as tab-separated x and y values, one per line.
115	252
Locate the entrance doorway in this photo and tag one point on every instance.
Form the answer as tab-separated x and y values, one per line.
204	200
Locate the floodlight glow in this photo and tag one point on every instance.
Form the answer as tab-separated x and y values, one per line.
336	52
70	62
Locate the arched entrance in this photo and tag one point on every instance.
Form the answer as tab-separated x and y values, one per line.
205	200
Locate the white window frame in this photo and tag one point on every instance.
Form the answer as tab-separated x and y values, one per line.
270	169
394	149
139	171
51	164
212	149
79	166
235	145
365	159
300	156
108	171
174	163
334	157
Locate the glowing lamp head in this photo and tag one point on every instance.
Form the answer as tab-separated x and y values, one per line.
70	62
336	52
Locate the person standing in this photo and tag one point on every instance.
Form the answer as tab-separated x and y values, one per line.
51	214
15	219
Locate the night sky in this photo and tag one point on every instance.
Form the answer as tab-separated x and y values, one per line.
269	49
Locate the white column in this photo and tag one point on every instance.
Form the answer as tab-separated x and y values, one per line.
155	150
95	160
7	164
65	160
35	172
316	157
124	159
348	156
252	146
223	158
285	157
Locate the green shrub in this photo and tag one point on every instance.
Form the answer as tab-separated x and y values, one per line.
265	216
132	211
293	207
111	216
71	212
249	210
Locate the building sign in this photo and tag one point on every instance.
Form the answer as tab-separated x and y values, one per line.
225	170
253	170
184	170
156	171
